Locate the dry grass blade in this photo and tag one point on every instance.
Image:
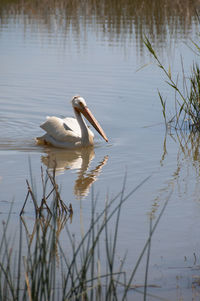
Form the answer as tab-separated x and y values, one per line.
82	274
42	206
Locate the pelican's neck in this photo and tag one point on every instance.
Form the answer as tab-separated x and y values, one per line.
85	136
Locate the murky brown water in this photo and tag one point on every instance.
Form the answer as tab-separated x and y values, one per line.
51	52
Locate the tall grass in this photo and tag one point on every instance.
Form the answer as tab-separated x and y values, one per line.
87	269
187	99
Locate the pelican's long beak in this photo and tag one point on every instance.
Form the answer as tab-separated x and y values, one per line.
88	115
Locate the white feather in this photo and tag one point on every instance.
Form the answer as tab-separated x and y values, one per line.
60	130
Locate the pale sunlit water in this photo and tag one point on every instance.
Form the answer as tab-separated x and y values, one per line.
44	61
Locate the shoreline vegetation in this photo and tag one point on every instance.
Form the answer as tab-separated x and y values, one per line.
87	270
187	98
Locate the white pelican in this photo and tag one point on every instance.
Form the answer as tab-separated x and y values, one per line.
71	132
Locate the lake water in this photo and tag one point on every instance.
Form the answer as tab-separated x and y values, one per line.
48	54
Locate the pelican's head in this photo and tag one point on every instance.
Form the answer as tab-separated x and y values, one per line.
80	106
78	103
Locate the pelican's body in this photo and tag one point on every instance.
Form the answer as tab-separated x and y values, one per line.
71	132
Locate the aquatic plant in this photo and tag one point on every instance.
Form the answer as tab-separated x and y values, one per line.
187	99
42	269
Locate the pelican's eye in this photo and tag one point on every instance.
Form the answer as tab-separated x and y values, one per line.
76	97
81	104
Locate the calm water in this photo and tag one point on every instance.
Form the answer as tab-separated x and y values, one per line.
47	55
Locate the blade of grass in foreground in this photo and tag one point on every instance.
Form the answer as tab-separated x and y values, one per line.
81	273
108	217
145	246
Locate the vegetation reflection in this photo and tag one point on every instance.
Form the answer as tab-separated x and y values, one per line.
120	21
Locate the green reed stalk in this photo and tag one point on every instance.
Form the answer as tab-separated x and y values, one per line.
187	106
45	271
148	260
145	247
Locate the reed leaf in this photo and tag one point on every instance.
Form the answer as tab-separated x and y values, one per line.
81	274
188	105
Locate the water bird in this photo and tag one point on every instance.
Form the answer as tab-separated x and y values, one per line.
71	132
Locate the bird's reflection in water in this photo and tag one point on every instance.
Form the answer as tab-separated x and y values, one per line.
79	160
